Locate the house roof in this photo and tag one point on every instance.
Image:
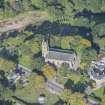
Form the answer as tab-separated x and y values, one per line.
62	55
98	69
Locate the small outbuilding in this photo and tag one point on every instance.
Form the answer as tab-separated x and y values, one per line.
41	99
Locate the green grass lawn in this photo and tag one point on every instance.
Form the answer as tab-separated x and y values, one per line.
76	77
100	92
31	96
51	98
6	65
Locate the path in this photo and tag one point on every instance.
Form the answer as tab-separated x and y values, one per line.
22	21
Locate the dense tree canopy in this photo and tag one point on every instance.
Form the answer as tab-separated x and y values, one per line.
99	30
86	22
72	98
49	71
88	55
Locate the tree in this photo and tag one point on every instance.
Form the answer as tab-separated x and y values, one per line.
39	82
65	96
99	30
103	100
72	98
5	92
38	3
55	41
100	42
77	45
85	42
6	65
55	9
80	21
65	42
36	82
7	102
38	63
2	3
26	4
94	8
10	42
49	71
103	5
88	55
35	47
27	60
64	71
32	46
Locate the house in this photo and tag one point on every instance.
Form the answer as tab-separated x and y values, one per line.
22	70
97	72
19	74
59	57
54	87
13	77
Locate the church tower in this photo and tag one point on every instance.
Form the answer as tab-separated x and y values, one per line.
45	48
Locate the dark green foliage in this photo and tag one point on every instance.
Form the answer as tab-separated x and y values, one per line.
88	55
99	30
2	3
75	87
4	87
9	55
64	71
67	17
6	102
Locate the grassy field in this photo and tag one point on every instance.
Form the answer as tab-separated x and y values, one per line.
100	92
76	77
30	94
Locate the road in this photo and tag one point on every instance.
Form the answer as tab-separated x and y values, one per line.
22	21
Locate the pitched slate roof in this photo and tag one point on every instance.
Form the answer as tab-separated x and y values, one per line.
62	55
97	69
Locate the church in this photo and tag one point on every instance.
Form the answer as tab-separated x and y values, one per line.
59	57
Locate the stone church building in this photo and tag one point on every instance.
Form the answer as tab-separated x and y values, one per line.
59	57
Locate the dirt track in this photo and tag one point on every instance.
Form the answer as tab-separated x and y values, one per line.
22	21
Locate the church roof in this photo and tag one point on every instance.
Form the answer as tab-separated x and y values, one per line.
62	55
